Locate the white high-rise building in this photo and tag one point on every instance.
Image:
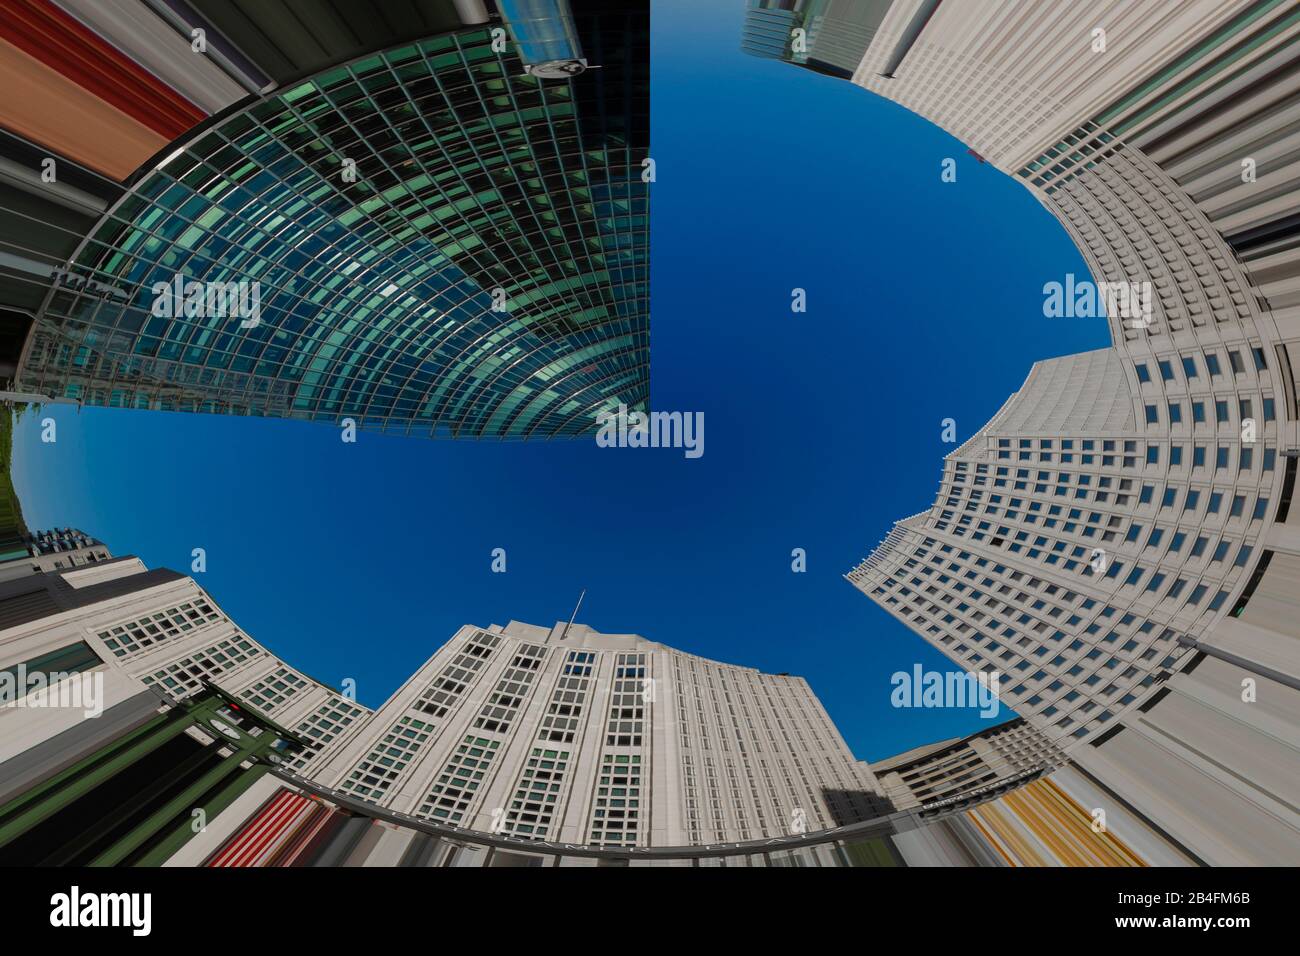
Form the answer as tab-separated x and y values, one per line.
1118	542
567	734
540	733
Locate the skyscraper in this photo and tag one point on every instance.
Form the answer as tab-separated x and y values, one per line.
426	232
611	740
526	732
1116	542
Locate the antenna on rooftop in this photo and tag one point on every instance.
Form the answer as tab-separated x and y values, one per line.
565	632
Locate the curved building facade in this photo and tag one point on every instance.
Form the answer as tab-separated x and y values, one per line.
428	238
131	707
532	735
1117	542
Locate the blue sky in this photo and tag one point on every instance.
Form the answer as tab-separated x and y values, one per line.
822	428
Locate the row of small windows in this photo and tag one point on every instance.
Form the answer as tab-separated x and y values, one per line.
1165	367
1245	411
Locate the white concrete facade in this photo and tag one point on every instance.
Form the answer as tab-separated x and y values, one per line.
1127	502
566	734
544	733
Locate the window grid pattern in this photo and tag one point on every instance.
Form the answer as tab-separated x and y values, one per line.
459	783
132	637
512	689
616	810
330	720
485	274
184	677
275	689
448	687
564	711
383	765
536	798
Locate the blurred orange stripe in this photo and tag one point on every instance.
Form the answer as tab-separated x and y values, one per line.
45	107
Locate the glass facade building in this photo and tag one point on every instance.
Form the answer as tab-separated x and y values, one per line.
441	243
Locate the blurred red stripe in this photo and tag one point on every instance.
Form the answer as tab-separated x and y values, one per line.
46	33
